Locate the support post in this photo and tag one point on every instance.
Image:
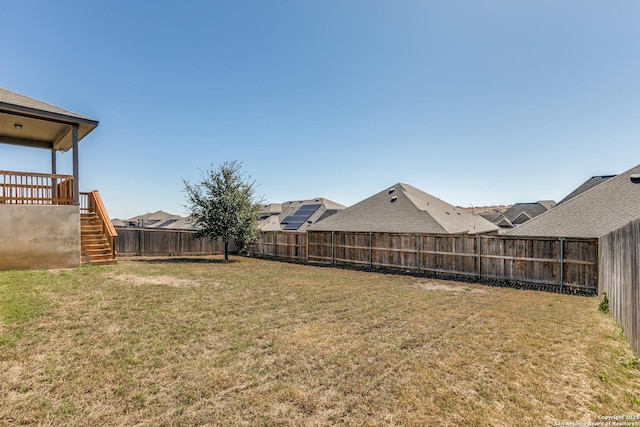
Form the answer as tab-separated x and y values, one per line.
370	250
54	171
76	178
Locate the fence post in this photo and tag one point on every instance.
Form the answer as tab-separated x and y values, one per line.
140	237
370	250
419	260
479	257
333	260
275	244
179	243
561	262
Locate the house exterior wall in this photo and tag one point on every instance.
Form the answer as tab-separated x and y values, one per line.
39	237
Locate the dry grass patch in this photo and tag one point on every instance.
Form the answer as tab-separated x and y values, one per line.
155	280
251	342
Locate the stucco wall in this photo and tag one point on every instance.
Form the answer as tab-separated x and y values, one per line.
39	237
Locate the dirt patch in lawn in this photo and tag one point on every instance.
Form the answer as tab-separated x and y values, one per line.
443	287
156	280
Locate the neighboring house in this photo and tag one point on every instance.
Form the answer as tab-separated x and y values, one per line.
156	220
588	184
609	205
519	213
296	215
45	221
405	209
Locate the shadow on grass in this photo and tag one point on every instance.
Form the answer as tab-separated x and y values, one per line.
183	260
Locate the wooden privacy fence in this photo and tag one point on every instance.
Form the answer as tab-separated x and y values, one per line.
620	278
561	263
144	242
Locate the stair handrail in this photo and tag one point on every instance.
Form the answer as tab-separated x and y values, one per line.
96	205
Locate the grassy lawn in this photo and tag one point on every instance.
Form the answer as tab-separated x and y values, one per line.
200	342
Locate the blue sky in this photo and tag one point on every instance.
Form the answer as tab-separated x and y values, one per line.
475	102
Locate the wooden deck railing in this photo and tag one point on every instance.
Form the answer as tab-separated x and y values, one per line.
92	203
35	188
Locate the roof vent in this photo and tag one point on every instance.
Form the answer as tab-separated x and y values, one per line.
392	189
635	178
394	198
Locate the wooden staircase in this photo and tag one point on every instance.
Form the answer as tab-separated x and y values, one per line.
97	238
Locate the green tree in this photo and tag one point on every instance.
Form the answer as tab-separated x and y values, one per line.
223	205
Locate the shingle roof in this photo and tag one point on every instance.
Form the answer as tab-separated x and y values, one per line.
15	99
155	216
593	213
179	223
531	209
405	209
158	220
588	184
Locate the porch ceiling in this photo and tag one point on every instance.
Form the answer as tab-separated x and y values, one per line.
31	123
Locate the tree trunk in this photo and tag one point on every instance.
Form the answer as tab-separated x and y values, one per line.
226	251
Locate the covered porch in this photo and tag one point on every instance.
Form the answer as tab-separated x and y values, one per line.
45	221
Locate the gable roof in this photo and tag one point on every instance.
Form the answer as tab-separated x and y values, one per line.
404	209
530	209
521	219
503	222
592	213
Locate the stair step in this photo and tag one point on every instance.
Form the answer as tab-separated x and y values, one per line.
95	238
91	229
101	262
92	233
95	242
95	248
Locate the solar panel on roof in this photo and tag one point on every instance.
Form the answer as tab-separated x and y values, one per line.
292	225
299	217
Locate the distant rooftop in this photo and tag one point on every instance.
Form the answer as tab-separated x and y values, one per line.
296	215
402	208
